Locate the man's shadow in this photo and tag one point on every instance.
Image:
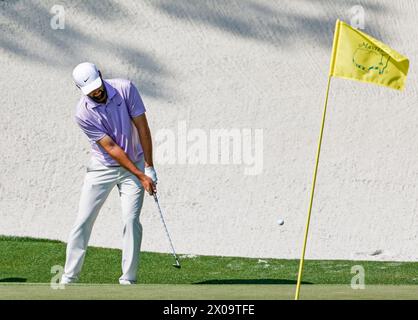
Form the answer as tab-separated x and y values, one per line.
13	279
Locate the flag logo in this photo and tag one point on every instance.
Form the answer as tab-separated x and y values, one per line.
370	58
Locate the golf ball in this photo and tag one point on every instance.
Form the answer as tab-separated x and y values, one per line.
280	222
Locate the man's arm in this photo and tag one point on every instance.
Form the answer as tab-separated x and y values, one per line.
144	132
122	158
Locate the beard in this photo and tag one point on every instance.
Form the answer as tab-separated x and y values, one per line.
102	97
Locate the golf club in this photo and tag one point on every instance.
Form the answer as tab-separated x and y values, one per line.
177	264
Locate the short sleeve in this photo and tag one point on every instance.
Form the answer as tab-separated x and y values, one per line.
92	131
136	106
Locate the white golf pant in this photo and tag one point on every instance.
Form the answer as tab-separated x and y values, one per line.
98	183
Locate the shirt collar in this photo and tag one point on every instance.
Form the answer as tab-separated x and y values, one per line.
110	94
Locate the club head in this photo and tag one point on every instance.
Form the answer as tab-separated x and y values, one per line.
177	265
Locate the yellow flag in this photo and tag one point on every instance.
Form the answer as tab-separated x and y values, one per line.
358	56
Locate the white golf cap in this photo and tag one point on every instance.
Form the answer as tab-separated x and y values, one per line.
86	77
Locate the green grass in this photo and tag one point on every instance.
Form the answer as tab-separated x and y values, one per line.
25	273
30	260
202	292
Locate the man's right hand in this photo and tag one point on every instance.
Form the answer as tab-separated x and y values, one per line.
147	183
120	156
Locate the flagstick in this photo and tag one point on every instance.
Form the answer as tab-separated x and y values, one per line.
302	260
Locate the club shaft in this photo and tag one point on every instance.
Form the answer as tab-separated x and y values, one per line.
166	229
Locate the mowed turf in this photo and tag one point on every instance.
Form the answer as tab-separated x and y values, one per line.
202	292
26	260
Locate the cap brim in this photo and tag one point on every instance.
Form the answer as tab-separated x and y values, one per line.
96	84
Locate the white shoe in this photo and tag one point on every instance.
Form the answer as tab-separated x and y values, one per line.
65	280
126	282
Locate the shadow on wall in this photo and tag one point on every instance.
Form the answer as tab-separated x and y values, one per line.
275	22
26	31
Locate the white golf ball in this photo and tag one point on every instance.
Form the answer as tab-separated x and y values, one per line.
280	222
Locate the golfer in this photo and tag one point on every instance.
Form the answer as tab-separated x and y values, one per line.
112	115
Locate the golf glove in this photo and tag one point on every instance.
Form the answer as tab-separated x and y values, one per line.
150	172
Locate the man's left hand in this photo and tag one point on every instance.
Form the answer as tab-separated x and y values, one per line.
150	172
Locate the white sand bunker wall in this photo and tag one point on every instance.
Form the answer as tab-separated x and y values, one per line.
251	70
